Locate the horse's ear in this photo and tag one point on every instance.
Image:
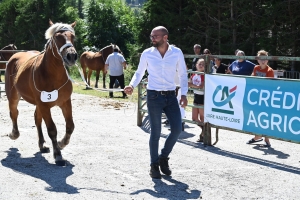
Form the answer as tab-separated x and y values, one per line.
73	24
50	22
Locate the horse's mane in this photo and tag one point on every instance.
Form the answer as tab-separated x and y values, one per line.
111	45
9	46
58	27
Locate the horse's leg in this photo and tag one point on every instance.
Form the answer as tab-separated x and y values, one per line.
89	77
67	112
84	71
104	75
97	78
38	122
13	112
52	132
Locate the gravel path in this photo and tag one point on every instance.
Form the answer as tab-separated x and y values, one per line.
108	158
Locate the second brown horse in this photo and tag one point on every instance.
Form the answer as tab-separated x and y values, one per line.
96	61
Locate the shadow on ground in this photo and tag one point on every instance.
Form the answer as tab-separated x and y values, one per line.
174	190
212	149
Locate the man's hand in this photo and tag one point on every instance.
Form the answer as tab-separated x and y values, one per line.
183	101
128	89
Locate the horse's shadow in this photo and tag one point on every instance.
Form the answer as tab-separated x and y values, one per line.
38	167
174	190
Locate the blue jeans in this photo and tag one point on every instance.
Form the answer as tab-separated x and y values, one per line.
157	103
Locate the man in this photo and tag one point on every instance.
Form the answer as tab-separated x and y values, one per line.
115	62
161	61
197	51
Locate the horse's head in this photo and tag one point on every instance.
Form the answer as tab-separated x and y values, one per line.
63	36
6	55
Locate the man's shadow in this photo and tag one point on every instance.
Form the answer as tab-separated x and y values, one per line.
271	151
39	167
174	190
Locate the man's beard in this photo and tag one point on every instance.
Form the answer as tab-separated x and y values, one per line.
157	44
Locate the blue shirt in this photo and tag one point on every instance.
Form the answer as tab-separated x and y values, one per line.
162	70
242	68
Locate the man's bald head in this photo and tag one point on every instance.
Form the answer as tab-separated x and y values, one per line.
162	29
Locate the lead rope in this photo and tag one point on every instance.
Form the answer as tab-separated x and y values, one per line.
130	100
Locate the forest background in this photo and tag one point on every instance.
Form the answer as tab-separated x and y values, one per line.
221	26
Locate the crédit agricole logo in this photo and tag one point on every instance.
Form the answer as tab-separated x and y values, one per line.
226	97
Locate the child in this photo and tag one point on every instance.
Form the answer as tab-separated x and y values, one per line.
262	70
197	81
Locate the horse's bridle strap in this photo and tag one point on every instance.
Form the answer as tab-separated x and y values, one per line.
68	44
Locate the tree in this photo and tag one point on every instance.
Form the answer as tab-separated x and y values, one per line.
109	22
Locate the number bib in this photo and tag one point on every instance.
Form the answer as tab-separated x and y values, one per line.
49	96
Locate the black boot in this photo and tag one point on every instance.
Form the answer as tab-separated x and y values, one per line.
154	171
164	166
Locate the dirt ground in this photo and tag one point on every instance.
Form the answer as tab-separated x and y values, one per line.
108	158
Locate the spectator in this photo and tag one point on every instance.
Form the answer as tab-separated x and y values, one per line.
211	66
220	68
197	51
115	63
231	61
241	66
160	63
262	70
197	81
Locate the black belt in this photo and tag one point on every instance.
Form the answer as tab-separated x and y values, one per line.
168	92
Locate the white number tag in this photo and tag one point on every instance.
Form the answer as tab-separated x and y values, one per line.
49	96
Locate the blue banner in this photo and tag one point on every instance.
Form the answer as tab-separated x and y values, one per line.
272	107
264	106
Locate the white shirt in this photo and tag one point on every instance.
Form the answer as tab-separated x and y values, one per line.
196	80
114	62
162	70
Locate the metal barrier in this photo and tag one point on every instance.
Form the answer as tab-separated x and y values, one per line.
2	88
207	126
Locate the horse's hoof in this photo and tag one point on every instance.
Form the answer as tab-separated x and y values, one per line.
13	136
96	86
45	150
88	88
60	146
59	161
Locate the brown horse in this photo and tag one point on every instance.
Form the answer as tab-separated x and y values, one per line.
40	78
96	61
5	56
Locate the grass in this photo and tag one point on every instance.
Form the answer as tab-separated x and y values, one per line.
81	89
